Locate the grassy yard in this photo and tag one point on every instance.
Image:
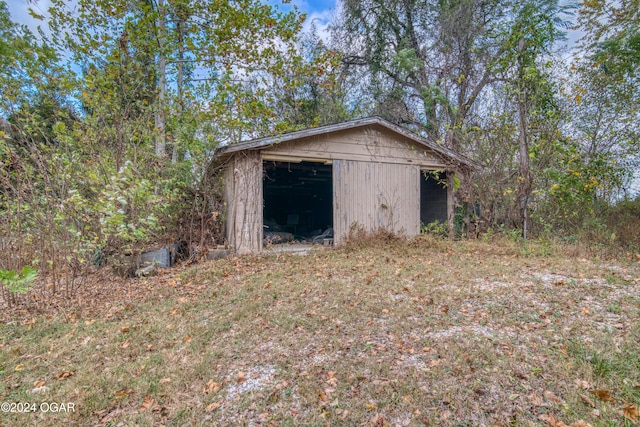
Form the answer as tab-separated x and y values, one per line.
425	332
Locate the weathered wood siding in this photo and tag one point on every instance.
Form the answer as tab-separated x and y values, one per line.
376	182
371	144
373	196
243	194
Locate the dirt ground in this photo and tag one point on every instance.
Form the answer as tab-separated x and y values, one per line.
383	333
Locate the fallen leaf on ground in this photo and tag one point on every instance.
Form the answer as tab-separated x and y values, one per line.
551	397
147	403
213	406
378	420
582	384
552	421
586	400
40	390
332	381
630	412
211	387
64	374
535	399
122	393
604	395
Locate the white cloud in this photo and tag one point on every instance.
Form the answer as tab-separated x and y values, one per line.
319	14
320	20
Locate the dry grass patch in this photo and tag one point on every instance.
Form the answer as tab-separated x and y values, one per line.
424	332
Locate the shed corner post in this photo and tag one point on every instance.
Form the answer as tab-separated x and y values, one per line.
229	205
244	203
451	203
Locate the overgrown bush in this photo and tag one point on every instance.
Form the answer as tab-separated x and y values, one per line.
69	204
436	228
358	237
623	219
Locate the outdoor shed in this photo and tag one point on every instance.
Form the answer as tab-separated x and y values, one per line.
366	174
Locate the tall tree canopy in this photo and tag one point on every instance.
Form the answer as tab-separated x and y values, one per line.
182	61
108	125
612	35
428	61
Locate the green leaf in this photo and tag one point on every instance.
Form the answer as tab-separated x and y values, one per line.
29	274
456	183
18	282
35	15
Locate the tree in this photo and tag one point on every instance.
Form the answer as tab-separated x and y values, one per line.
208	57
606	87
526	41
78	184
429	61
314	91
612	36
605	131
431	65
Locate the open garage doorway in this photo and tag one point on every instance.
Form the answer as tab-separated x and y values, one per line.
298	201
433	197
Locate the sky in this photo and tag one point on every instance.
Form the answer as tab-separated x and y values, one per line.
319	13
19	11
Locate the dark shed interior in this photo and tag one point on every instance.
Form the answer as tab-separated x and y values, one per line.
298	198
433	197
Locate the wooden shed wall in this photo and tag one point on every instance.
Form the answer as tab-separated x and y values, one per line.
243	194
373	196
369	144
376	183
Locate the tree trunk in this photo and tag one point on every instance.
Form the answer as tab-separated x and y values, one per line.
161	135
451	203
524	176
175	155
